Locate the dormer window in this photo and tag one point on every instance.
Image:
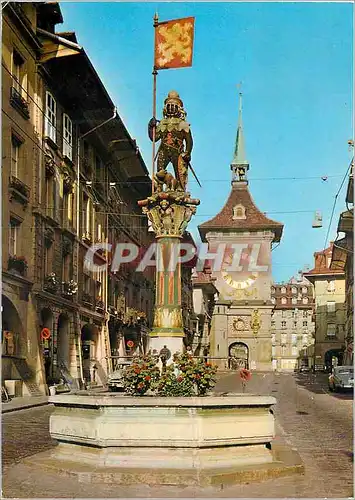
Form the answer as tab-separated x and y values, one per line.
239	212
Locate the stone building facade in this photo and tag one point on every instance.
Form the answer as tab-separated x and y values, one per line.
72	176
343	260
329	294
241	321
292	324
204	292
20	50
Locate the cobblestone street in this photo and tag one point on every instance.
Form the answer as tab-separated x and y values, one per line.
317	423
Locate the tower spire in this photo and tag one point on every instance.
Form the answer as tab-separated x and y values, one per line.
239	165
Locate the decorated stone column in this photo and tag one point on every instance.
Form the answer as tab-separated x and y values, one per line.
169	210
169	213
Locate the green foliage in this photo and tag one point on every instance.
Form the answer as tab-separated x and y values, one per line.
172	384
141	375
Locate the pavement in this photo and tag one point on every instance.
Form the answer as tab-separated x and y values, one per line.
22	403
309	418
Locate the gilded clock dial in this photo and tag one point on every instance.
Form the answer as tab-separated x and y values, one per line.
237	280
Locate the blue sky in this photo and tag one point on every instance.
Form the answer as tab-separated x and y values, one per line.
295	64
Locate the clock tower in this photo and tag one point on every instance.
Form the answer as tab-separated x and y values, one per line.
241	322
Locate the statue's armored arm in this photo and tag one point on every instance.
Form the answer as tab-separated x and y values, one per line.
153	123
189	145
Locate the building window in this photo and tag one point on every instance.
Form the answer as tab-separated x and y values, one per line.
283	350
273	338
273	300
283	314
87	284
273	351
272	322
48	259
283	300
294	289
15	155
67	137
50	118
294	351
305	339
305	323
283	289
331	286
239	212
331	329
283	324
14	228
304	314
66	266
19	76
331	307
295	324
294	300
283	338
304	290
294	338
305	300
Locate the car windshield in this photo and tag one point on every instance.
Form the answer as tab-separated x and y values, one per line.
344	371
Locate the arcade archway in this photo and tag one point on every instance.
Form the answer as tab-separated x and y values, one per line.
63	341
333	357
89	338
238	356
13	343
47	351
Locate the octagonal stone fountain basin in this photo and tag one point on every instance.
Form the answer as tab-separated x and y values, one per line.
154	440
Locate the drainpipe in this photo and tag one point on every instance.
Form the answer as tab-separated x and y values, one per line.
78	219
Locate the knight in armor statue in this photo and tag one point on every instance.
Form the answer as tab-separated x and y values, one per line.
176	142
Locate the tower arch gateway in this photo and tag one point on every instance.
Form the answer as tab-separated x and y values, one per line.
238	355
244	280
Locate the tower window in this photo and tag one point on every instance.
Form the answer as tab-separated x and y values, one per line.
239	212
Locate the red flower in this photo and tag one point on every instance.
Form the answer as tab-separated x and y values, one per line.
244	374
137	370
147	377
180	378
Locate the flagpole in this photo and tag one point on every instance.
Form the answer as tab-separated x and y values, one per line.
155	72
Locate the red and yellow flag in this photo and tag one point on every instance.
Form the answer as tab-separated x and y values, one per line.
174	43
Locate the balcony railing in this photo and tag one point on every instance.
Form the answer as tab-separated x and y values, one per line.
19	103
18	264
19	190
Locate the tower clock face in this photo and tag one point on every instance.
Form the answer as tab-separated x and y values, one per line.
237	280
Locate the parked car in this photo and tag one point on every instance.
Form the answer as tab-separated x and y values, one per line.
115	379
342	377
305	369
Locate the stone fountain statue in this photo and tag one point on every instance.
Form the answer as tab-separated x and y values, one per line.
169	209
176	144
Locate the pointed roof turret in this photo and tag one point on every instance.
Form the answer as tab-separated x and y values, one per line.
239	157
240	212
239	165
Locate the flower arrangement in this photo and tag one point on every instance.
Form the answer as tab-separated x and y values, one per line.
17	263
244	375
173	383
100	305
141	375
70	287
186	376
201	375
